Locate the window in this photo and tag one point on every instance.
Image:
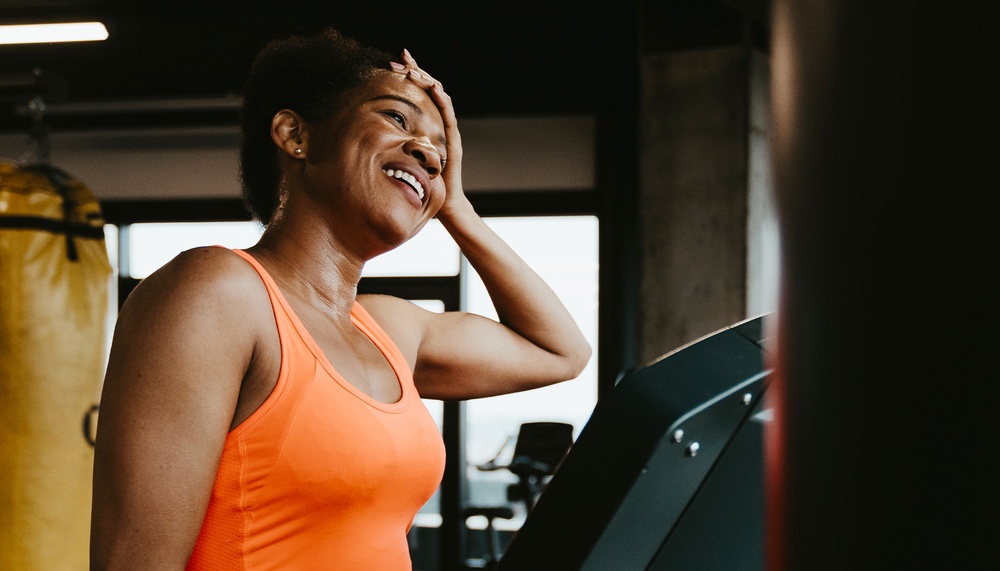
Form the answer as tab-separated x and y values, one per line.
151	245
563	250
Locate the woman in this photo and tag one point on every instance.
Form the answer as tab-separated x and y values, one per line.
258	413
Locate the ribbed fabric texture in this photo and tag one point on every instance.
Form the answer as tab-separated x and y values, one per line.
321	476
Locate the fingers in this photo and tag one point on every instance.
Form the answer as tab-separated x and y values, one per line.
408	59
412	70
419	76
441	99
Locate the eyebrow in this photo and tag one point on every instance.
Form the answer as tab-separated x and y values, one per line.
416	109
409	103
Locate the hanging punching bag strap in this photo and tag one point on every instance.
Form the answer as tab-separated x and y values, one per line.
90	424
59	180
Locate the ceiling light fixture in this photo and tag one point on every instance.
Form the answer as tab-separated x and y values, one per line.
50	33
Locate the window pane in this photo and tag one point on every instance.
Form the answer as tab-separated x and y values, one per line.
431	252
435	305
430	514
111	244
151	245
564	252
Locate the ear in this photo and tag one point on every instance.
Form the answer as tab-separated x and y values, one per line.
288	131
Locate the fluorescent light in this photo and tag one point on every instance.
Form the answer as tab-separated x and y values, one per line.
48	33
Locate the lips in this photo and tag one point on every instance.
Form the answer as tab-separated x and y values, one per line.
408	178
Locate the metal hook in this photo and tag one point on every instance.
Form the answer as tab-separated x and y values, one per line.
38	143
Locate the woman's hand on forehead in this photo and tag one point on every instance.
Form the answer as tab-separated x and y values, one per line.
425	81
455	199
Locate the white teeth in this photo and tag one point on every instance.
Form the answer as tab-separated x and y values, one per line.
408	178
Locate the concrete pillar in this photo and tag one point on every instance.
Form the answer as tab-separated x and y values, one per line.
693	135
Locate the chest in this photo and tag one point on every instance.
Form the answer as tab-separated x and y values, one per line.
328	469
354	356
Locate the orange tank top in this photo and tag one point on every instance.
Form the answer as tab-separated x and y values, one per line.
321	476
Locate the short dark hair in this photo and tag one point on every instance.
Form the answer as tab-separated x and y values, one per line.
307	74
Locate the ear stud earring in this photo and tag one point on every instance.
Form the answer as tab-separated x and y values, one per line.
298	151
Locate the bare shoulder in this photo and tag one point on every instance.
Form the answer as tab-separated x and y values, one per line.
184	343
378	303
394	312
201	267
209	277
404	321
199	294
188	331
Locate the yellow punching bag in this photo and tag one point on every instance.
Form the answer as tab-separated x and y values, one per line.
54	277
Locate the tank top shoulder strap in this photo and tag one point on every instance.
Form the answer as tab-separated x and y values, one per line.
272	288
367	324
294	353
288	323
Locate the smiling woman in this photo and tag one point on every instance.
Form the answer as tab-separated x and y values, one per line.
396	127
255	406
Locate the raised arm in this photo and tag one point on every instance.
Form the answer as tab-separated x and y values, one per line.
536	341
181	348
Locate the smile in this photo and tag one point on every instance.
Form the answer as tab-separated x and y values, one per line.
408	179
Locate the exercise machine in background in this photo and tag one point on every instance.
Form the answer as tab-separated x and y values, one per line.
538	450
667	475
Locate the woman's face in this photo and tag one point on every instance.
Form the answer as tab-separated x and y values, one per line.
377	162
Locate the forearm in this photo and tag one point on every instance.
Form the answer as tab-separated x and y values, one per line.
524	302
536	342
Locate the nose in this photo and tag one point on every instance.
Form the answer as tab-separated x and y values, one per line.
427	154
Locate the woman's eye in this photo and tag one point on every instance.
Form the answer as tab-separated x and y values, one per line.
397	117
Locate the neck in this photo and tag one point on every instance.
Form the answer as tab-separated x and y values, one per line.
313	266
